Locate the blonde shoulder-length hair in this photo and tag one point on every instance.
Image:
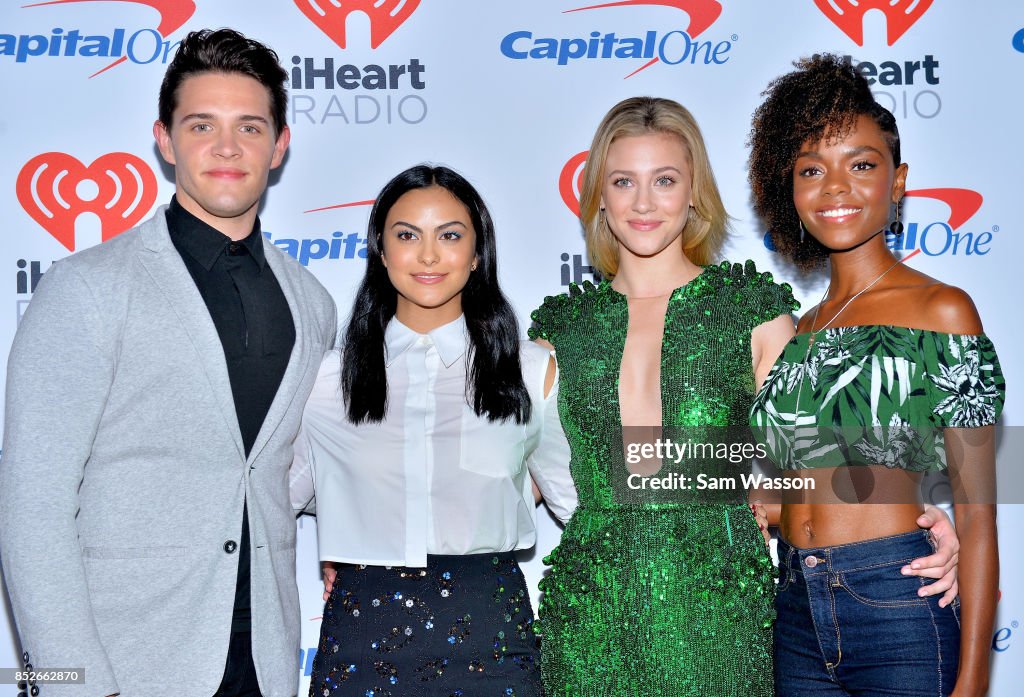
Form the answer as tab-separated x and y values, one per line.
707	223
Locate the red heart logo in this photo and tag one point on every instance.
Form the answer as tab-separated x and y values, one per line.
48	189
848	15
331	15
570	181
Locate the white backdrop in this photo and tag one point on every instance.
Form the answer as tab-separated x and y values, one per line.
509	92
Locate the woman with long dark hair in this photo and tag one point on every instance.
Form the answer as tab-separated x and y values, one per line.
890	376
420	440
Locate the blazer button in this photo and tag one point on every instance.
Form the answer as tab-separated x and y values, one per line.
25	657
230	546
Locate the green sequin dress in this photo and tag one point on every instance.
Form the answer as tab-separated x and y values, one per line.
657	595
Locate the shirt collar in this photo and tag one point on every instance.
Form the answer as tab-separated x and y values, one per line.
450	340
205	243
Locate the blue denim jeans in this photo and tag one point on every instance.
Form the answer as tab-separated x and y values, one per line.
849	623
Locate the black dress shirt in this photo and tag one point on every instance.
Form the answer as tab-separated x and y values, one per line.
256	330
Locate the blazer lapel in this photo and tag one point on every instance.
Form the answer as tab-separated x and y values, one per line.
164	264
299	359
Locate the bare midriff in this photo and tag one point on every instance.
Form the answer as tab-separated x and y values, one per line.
851	504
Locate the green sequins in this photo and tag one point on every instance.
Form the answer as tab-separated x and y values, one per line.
657	596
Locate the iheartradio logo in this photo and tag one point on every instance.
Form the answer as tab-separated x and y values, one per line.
331	16
55	188
570	181
848	15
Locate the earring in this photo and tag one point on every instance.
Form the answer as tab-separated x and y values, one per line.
803	231
473	267
896	227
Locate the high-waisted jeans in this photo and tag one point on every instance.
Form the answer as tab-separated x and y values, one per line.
849	623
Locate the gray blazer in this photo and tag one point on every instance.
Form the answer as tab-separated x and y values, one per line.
123	476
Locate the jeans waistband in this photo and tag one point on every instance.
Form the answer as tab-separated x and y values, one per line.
880	551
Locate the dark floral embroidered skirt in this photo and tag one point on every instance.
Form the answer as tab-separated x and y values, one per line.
461	627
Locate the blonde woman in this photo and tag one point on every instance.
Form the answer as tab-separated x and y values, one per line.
666	591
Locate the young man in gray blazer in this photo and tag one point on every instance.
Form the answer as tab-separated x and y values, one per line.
154	388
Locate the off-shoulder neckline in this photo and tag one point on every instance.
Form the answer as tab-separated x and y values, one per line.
834	329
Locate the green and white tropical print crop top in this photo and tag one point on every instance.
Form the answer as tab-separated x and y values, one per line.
875	395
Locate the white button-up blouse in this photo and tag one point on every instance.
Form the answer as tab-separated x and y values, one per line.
432	477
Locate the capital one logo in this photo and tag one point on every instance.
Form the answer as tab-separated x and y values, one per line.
702	13
331	16
945	237
848	15
675	47
173	15
334	246
940	237
55	188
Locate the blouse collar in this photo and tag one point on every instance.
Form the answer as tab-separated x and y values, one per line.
450	340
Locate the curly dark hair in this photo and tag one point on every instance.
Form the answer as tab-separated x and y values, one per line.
822	98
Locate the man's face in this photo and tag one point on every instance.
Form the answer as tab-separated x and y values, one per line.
222	144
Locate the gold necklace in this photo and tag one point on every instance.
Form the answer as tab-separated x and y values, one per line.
814	320
814	332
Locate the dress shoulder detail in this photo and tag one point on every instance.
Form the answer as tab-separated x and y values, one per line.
757	290
552	317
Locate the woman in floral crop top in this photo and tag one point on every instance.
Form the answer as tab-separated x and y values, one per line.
889	376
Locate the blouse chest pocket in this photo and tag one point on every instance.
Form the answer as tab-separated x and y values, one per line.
490	448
